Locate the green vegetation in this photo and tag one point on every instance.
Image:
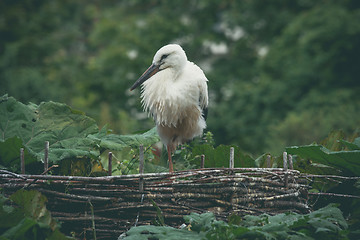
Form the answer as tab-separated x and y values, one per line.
325	223
280	74
27	217
79	147
75	141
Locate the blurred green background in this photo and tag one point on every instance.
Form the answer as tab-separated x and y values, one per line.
280	73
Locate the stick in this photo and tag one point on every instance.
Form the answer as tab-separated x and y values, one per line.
231	164
285	161
285	168
329	176
110	164
92	218
12	174
141	180
141	167
46	156
45	172
22	161
268	161
291	162
202	161
333	195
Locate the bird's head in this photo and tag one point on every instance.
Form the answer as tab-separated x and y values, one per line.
169	56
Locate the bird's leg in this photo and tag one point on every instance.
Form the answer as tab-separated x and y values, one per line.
171	169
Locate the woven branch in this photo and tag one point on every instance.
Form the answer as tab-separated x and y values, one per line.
116	200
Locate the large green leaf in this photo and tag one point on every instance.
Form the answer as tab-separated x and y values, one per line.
346	161
66	130
16	119
119	142
70	133
352	146
33	205
29	219
10	154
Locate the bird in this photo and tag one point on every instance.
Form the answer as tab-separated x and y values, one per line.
174	92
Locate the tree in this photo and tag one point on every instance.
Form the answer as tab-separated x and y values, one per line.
271	67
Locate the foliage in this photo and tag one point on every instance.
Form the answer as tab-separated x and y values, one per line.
325	223
280	74
338	157
219	156
345	161
74	138
188	156
64	128
27	217
29	125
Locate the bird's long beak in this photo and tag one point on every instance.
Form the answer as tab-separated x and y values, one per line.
153	69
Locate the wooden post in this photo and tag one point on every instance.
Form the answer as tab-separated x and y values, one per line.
291	165
22	161
285	168
285	161
141	167
231	164
141	179
46	156
202	161
268	161
110	164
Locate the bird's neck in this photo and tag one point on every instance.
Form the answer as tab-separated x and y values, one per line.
177	71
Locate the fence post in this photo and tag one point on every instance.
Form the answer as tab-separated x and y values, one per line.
141	167
46	156
268	161
110	164
291	165
202	161
231	163
285	168
22	161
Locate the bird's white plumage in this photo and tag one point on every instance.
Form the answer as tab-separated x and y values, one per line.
167	97
175	95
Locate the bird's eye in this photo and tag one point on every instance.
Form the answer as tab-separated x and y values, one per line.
163	57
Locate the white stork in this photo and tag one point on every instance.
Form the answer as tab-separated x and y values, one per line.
174	92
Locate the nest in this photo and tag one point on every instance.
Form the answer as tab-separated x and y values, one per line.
113	204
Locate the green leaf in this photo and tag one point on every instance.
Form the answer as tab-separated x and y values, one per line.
33	204
16	119
220	156
11	214
119	142
357	142
10	154
29	219
200	222
26	229
346	161
352	146
159	214
66	129
327	222
161	233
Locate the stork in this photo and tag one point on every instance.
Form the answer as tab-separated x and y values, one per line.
174	92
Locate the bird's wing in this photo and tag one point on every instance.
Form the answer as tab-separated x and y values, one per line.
203	97
203	93
203	100
198	77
